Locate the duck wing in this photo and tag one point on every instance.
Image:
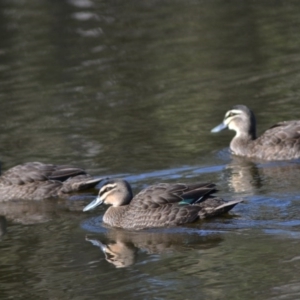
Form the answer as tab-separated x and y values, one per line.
280	142
282	133
167	194
36	171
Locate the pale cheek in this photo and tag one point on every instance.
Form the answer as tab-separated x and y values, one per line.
112	200
108	200
232	126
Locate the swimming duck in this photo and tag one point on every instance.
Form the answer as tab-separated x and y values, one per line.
158	205
36	181
279	142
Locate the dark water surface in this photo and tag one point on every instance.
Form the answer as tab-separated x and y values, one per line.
132	89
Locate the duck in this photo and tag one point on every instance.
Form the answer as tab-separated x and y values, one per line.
160	205
280	142
36	181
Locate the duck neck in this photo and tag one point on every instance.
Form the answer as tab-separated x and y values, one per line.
242	143
252	132
114	215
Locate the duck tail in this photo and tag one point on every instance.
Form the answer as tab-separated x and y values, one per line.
226	207
209	212
80	183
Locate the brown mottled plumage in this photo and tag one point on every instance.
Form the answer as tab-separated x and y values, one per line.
36	181
280	142
158	205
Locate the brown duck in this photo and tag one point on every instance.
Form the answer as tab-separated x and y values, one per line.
36	181
279	142
158	205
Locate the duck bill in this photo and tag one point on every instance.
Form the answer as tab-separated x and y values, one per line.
97	243
219	128
93	204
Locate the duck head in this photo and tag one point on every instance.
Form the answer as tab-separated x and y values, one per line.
115	192
240	119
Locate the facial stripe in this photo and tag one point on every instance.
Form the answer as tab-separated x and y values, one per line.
106	189
232	112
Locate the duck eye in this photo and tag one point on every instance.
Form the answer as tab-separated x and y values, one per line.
106	189
230	114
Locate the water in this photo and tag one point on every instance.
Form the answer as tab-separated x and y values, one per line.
132	89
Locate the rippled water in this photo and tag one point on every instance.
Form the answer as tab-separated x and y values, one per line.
132	89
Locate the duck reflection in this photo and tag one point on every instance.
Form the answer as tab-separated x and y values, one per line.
34	212
118	253
2	226
121	248
246	176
